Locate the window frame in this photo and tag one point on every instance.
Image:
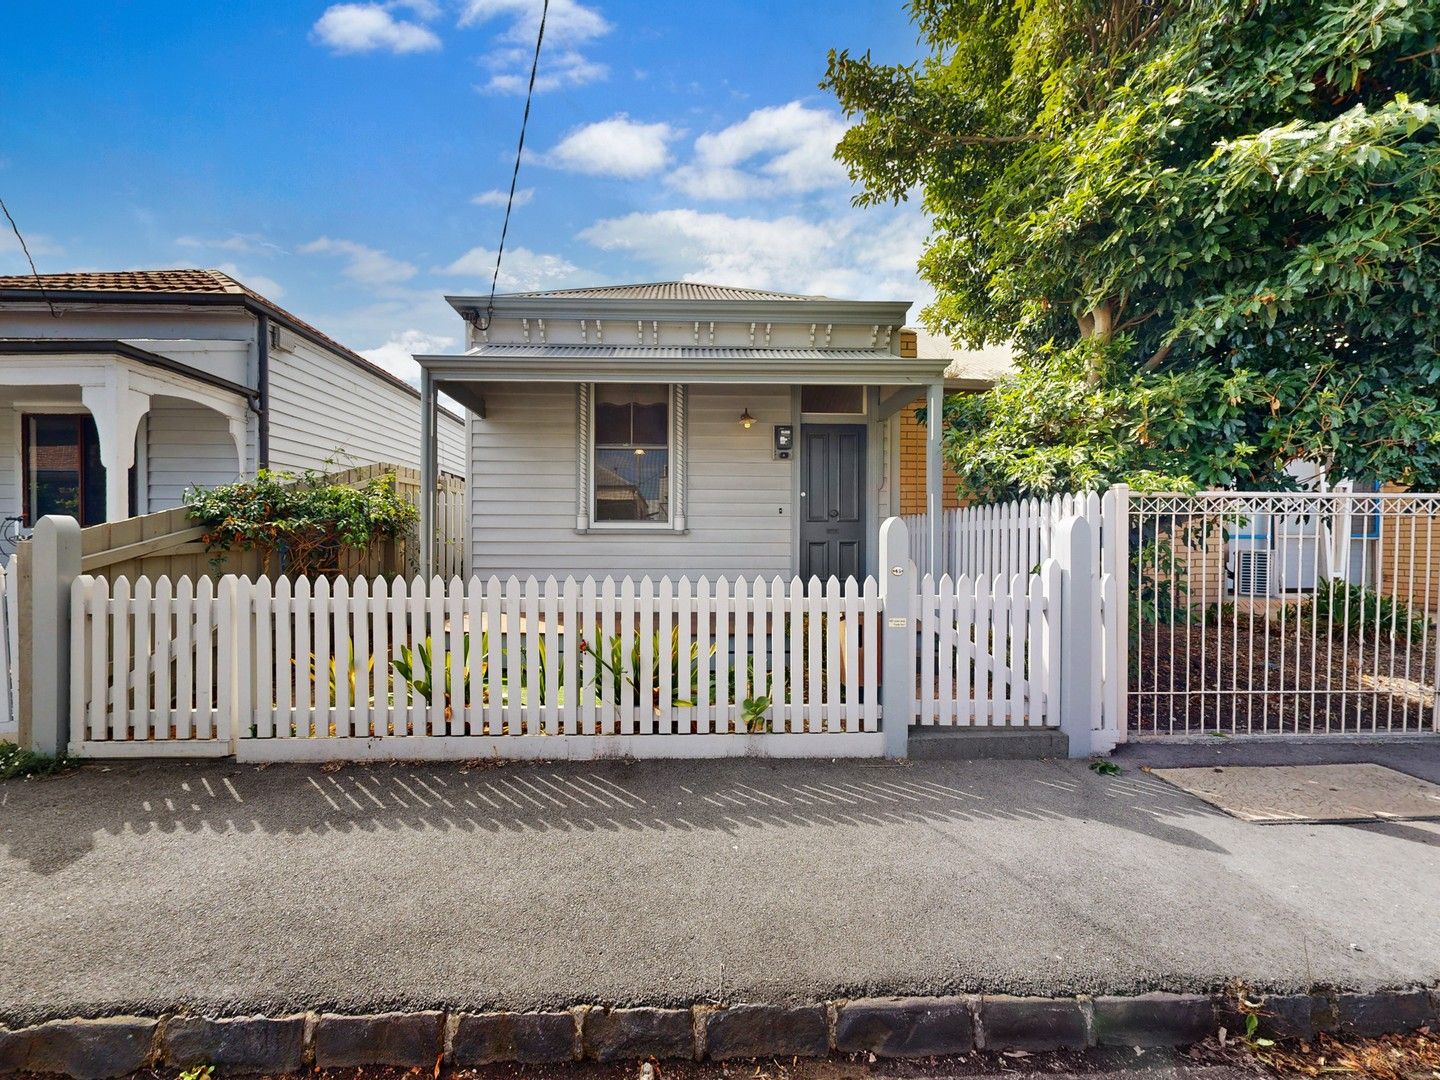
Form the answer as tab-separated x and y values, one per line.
78	419
585	521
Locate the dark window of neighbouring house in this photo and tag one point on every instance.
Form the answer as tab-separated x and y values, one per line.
632	453
63	474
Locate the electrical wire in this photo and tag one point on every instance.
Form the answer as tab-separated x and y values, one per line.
515	173
26	249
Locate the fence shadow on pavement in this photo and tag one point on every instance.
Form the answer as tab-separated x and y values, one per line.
51	824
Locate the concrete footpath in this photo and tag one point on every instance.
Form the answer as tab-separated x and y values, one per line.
153	887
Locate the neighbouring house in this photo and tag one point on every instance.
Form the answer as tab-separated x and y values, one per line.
120	390
680	428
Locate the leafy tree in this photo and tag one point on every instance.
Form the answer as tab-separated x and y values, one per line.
1209	226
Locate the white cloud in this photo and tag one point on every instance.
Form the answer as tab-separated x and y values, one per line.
240	243
569	27
397	355
498	197
782	149
852	254
266	286
521	268
366	265
362	28
618	146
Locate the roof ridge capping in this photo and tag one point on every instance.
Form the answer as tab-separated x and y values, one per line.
662	290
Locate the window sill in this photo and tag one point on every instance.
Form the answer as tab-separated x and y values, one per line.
632	530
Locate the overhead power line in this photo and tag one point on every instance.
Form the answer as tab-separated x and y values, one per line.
26	249
515	173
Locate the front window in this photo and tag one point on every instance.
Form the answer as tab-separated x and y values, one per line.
631	478
63	474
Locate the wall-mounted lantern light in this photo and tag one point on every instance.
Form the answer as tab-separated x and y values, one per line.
746	420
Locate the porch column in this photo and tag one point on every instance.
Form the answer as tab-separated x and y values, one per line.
429	472
934	472
117	411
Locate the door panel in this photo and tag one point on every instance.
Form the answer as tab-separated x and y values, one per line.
832	500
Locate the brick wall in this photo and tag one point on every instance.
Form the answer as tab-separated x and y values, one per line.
912	465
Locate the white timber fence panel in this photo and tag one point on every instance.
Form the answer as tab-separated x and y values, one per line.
985	545
153	666
987	649
309	670
9	656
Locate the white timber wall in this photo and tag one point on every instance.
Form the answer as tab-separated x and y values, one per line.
324	408
523	476
10	496
186	446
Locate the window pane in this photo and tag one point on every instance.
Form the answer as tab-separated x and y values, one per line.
651	425
847	400
63	474
612	423
53	466
631	485
632	415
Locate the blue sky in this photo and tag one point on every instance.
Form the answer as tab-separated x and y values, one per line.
348	159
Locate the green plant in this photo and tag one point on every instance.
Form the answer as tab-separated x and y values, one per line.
1252	1037
17	762
415	667
1364	610
1104	766
612	665
304	520
197	1072
754	711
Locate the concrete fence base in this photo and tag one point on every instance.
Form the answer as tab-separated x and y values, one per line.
895	1027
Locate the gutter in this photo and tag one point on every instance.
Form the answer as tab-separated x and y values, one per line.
231	300
67	346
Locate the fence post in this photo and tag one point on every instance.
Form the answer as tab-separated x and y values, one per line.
1117	631
1074	550
54	566
897	645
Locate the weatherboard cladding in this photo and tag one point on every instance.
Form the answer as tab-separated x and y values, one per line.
522	490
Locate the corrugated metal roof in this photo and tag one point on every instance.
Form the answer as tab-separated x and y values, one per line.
682	352
666	290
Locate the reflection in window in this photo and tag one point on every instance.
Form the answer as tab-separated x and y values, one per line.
632	453
63	474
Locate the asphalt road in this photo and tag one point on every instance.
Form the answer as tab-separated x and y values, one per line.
230	888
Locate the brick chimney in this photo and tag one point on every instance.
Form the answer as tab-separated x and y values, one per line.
908	348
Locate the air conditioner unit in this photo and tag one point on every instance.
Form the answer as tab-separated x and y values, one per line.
1251	571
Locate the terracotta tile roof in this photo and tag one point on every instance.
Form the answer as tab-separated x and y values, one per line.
668	290
180	282
128	281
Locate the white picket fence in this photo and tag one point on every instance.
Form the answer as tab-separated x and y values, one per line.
1003	540
261	667
9	654
989	649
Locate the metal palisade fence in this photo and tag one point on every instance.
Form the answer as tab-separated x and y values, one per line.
1284	613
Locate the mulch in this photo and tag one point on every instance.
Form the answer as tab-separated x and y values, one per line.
1257	674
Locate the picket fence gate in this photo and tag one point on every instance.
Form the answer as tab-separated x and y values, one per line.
275	670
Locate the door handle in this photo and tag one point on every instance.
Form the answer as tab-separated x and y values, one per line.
834	514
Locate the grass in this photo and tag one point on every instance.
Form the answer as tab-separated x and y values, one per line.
15	762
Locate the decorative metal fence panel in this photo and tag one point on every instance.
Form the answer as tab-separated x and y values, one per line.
1283	613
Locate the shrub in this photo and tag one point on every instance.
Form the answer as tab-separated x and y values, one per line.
303	521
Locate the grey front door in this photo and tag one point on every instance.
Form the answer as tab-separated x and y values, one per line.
832	500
